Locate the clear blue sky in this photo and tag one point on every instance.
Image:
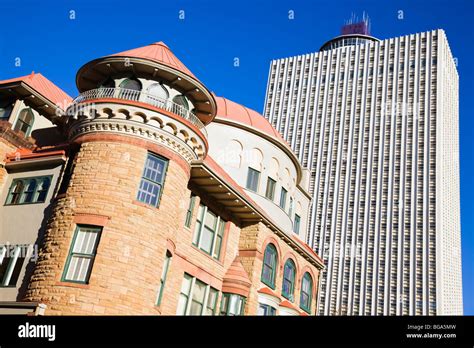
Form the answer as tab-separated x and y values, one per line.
213	33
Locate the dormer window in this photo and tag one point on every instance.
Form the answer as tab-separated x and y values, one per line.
25	122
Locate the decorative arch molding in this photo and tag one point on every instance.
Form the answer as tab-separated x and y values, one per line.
314	287
290	255
152	126
170	246
272	240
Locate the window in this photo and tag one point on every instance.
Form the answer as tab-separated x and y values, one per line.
164	273
157	92
296	224
253	177
209	232
133	84
266	310
269	266
189	213
25	121
283	195
270	191
306	292
181	101
108	83
130	89
196	297
288	286
82	254
11	262
290	209
152	180
232	304
5	110
28	190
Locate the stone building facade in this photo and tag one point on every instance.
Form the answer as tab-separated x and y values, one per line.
146	195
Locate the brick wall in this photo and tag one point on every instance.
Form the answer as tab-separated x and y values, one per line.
130	254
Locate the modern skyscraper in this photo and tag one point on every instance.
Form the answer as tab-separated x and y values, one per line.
376	123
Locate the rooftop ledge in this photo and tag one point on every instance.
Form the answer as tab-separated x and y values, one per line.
143	97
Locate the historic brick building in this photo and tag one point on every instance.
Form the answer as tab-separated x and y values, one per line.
148	194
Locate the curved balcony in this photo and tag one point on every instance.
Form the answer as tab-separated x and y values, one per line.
140	96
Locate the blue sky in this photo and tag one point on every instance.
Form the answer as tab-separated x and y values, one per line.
213	33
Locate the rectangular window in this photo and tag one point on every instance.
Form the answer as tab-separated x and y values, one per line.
266	310
82	254
209	232
283	194
253	177
28	190
164	273
296	224
152	180
11	262
290	209
232	304
270	191
189	213
196	297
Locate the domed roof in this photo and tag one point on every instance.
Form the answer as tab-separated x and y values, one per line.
233	111
157	52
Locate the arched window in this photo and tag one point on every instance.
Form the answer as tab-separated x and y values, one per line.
25	121
130	89
289	273
306	292
157	95
181	100
269	266
29	191
15	193
42	190
158	90
109	83
131	84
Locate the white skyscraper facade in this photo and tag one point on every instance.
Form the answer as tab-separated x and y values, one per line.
376	123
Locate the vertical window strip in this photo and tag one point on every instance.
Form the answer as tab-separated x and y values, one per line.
253	178
164	274
189	213
296	224
270	191
283	198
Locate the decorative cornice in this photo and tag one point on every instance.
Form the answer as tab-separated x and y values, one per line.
132	121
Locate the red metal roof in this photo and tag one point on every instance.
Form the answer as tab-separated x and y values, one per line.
268	291
44	87
233	111
288	304
157	52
